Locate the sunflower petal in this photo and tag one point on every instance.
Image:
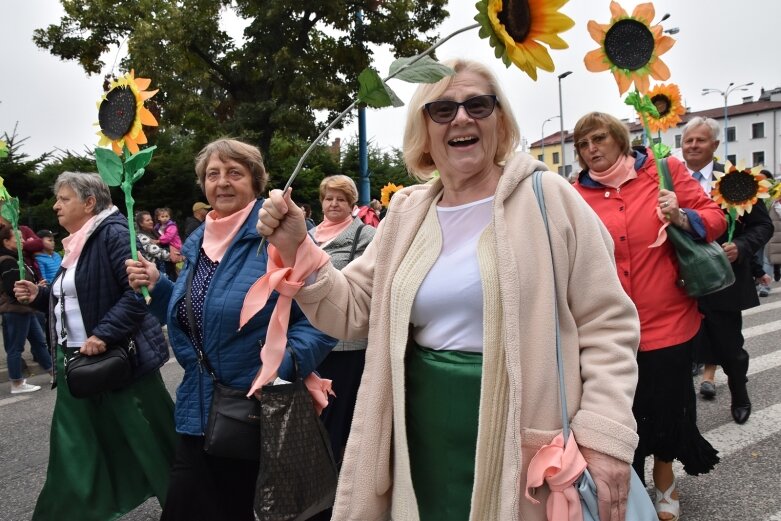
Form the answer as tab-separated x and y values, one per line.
147	118
659	70
596	61
597	31
616	11
131	145
116	148
140	139
146	94
623	80
645	13
664	44
143	83
642	83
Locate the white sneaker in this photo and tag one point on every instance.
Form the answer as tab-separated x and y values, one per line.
24	388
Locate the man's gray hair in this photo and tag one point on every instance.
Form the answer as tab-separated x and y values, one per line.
697	121
86	185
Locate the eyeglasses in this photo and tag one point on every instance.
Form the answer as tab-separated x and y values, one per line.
444	111
596	139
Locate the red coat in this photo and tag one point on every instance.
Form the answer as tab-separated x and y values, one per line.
668	316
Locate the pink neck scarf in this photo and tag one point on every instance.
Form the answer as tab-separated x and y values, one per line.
622	171
220	231
74	243
327	230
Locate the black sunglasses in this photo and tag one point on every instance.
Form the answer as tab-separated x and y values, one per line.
444	111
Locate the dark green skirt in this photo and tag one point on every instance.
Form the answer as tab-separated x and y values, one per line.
443	400
107	454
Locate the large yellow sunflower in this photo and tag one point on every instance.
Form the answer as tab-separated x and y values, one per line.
667	99
387	193
740	189
121	113
630	47
515	28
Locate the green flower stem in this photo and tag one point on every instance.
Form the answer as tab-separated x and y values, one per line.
127	188
346	111
19	255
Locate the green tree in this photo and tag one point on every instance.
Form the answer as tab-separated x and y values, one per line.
385	166
295	58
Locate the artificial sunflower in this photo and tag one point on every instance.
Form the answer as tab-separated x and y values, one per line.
667	100
515	29
387	193
121	113
740	189
630	47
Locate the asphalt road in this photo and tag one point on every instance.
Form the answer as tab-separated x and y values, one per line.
745	485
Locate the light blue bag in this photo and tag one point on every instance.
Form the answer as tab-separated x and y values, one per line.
638	503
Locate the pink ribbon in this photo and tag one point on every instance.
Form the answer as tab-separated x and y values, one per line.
287	282
559	467
661	236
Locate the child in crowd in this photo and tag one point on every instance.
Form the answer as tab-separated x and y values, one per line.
169	238
48	260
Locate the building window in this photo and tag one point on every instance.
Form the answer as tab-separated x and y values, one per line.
731	159
677	141
540	157
758	158
555	158
731	134
757	130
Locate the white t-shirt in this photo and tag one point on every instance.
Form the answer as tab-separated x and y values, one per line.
447	313
74	325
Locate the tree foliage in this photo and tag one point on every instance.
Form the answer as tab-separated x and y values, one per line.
295	58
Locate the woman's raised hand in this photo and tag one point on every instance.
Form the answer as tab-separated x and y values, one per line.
282	223
141	273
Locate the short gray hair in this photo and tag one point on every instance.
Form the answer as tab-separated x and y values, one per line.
697	121
85	185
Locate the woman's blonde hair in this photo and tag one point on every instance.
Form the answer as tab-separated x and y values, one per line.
243	153
416	140
594	120
341	183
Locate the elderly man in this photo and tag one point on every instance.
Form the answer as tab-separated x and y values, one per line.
199	214
722	339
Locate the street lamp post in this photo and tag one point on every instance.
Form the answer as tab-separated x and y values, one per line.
543	135
725	94
561	121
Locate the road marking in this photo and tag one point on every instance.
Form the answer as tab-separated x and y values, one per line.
775	517
755	365
731	437
14	399
761	309
762	329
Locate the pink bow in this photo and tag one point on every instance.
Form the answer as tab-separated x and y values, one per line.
559	467
662	234
287	282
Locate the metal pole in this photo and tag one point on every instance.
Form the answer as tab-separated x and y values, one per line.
725	94
364	186
543	136
726	124
561	126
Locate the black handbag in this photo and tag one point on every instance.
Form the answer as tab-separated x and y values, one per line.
703	267
88	376
233	427
298	474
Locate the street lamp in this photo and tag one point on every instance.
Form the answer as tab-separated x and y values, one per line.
725	94
561	121
543	135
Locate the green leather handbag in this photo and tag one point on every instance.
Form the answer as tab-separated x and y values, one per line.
703	267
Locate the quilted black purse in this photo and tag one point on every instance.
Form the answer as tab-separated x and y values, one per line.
298	474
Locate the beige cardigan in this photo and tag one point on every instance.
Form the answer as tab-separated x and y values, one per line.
519	408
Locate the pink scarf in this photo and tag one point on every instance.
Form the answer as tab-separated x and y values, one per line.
220	231
622	171
74	243
327	230
287	281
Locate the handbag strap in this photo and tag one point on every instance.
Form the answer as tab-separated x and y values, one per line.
188	304
355	242
538	193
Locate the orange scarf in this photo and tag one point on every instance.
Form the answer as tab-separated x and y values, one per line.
327	230
220	231
622	171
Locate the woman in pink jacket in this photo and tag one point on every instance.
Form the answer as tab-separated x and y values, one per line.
622	186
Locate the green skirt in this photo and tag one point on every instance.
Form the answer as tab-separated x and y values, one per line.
443	399
107	454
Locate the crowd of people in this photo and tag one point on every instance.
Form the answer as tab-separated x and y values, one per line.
433	320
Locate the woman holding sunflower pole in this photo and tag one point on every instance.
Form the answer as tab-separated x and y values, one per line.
622	186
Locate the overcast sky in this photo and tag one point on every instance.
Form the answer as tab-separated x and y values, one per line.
720	41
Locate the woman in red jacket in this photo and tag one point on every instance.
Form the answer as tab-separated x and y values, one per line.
622	186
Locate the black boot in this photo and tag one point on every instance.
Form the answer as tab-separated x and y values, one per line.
741	405
777	272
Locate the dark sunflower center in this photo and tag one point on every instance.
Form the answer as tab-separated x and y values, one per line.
117	112
662	104
738	187
629	44
516	18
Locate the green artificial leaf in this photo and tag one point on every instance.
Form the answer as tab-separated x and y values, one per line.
10	211
374	92
138	161
424	70
109	166
660	150
641	103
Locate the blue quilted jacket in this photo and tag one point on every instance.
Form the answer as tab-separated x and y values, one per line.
235	355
